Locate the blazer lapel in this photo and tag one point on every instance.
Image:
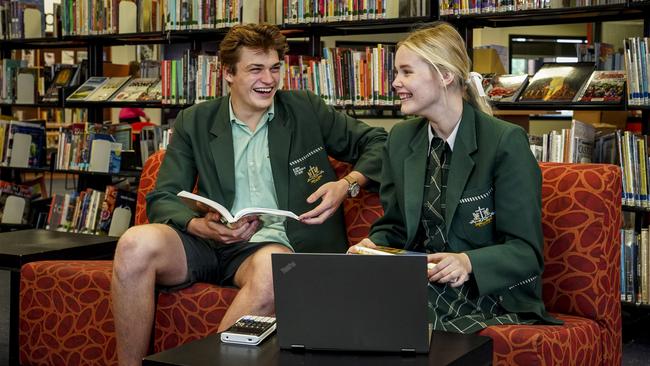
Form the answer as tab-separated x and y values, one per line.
223	154
461	162
415	166
280	137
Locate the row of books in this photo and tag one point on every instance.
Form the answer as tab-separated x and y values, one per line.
570	145
320	11
635	257
109	17
637	64
122	16
92	211
21	19
467	7
582	144
559	83
346	76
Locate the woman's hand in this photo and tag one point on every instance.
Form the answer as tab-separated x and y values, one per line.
211	227
363	243
451	268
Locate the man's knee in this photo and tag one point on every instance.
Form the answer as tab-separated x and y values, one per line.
138	249
260	274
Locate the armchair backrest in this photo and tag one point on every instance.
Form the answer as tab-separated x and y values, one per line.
581	221
147	183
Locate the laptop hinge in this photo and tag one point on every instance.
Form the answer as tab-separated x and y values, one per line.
298	347
407	350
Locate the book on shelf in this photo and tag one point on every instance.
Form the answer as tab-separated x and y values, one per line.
266	214
603	87
153	93
107	89
581	146
62	78
506	88
556	82
133	89
87	88
384	250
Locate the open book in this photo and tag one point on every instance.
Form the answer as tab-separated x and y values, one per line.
226	216
382	250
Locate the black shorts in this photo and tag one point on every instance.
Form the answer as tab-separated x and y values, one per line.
212	262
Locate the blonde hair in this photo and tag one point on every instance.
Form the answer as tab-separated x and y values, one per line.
443	48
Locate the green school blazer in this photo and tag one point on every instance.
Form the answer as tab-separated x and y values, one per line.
302	133
493	199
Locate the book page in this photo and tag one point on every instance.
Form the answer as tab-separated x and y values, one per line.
208	202
264	211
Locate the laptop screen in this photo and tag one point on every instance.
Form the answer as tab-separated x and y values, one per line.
351	302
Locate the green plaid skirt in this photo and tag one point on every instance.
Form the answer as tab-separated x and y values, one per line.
462	310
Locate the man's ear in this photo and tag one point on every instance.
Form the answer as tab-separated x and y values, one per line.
227	74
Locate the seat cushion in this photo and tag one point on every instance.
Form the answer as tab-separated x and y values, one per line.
65	314
577	342
190	314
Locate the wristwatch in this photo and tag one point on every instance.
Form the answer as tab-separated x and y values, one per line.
353	186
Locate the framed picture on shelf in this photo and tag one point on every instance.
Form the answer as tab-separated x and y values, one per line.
556	82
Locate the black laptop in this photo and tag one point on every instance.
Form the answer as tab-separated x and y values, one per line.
351	302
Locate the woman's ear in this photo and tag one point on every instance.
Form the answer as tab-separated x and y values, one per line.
447	78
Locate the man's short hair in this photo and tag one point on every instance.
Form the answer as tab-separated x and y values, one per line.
262	36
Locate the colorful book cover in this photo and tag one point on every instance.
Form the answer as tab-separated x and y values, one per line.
506	88
107	89
62	78
603	87
557	82
87	88
134	89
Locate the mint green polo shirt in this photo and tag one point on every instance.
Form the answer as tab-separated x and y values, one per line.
254	185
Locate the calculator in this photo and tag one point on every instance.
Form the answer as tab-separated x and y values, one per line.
249	329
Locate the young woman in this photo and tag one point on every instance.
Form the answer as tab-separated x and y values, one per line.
463	187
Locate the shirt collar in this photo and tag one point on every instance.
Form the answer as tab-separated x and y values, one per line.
452	136
265	117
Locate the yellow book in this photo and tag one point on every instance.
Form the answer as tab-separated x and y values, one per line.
383	250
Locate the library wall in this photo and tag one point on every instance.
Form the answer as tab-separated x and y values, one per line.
615	32
499	36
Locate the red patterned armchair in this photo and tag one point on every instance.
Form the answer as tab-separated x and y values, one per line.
66	319
65	306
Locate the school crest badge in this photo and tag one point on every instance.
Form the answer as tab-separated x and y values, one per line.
314	174
482	217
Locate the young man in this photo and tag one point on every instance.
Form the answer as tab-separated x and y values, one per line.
256	147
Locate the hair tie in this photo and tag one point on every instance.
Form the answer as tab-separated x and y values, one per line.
476	78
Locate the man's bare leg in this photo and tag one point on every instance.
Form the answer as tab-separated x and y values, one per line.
145	255
255	279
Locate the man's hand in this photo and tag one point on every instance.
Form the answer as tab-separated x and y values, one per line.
210	227
451	268
332	195
363	243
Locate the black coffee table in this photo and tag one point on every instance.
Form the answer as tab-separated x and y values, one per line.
20	247
446	349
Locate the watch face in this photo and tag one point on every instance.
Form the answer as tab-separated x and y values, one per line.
354	190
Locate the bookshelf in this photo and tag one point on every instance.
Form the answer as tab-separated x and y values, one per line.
196	40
